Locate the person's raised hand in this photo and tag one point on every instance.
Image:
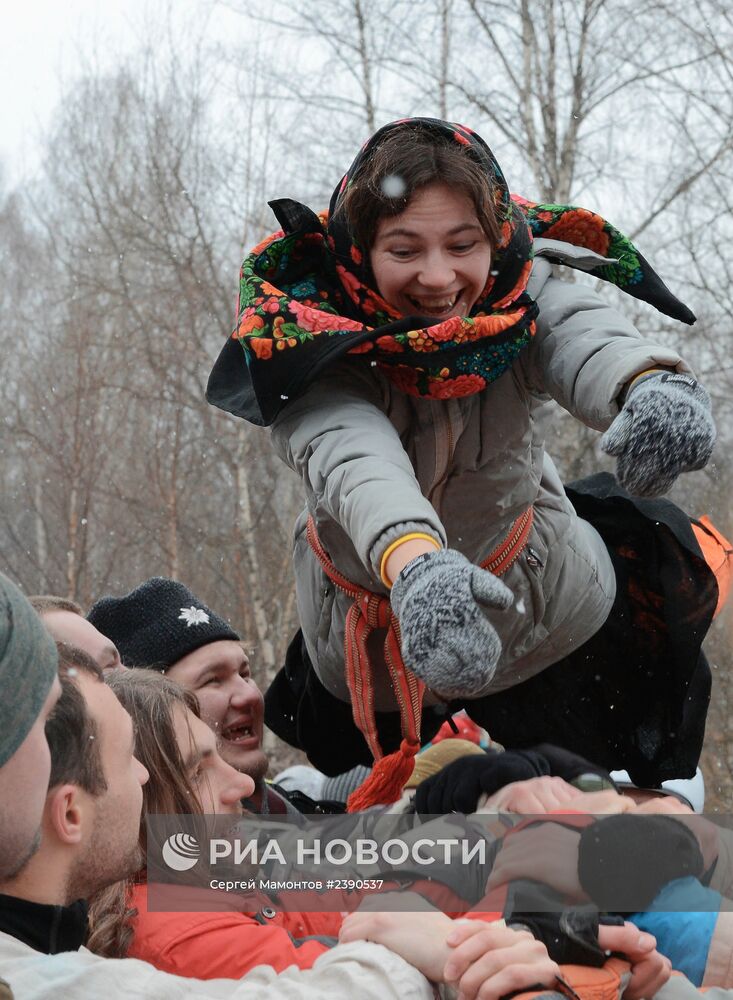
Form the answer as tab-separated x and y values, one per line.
446	639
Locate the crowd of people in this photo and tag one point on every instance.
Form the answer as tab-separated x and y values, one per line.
476	638
101	729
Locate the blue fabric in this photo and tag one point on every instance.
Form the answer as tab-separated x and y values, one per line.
682	918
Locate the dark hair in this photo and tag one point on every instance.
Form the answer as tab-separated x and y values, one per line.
49	602
417	157
71	732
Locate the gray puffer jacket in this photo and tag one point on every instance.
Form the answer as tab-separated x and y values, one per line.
378	464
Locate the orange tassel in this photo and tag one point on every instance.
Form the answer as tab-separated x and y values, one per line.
389	776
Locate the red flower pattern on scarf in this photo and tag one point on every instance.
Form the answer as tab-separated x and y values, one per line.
582	228
287	276
316	320
454	388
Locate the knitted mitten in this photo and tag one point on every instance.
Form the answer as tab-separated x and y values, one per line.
446	639
664	428
460	784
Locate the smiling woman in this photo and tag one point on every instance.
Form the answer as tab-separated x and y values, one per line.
426	262
404	347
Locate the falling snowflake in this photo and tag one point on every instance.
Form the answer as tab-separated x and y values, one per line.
393	186
194	616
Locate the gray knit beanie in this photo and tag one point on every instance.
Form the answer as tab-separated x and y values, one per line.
340	787
28	665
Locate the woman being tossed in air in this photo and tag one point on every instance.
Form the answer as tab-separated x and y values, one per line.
404	348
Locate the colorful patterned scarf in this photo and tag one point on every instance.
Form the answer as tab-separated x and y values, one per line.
305	300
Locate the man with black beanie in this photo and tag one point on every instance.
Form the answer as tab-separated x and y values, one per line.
162	624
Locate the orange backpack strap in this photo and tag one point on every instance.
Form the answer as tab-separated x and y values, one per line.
367	612
370	611
718	554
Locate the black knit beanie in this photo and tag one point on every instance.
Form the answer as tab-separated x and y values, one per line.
624	861
158	623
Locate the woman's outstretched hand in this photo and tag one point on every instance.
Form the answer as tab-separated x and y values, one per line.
447	641
665	428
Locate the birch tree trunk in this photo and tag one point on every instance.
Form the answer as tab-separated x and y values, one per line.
250	537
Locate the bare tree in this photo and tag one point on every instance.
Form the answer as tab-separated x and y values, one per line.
120	262
147	478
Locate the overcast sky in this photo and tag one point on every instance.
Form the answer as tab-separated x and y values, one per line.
40	46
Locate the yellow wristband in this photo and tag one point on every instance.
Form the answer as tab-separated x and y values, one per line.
648	371
390	549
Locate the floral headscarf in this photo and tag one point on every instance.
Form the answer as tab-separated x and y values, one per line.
305	299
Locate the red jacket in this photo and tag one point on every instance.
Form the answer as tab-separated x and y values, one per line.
210	945
228	944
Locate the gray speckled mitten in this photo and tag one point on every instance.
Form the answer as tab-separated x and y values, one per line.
665	427
447	641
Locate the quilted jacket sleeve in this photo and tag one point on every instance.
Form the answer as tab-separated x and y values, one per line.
584	351
226	945
360	969
342	444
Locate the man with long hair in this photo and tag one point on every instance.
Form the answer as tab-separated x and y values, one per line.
90	828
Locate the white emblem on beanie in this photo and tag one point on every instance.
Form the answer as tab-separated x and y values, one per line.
193	616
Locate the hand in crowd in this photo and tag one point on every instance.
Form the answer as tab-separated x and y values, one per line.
535	795
489	961
649	970
609	803
485	961
419	938
549	853
707	833
604	803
